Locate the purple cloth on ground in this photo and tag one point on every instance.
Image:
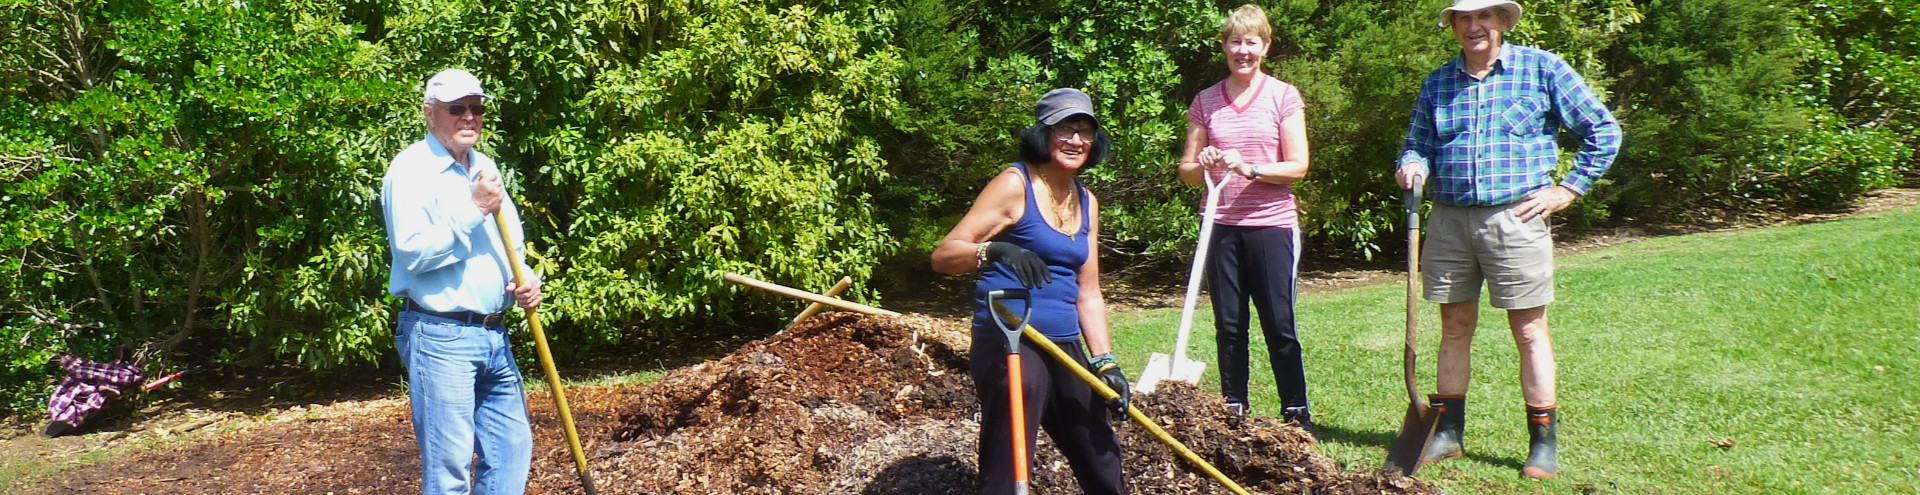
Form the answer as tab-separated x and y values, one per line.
87	387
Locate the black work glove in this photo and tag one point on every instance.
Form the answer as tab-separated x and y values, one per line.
1026	265
1109	371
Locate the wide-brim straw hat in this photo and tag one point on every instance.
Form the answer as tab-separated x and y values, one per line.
1513	10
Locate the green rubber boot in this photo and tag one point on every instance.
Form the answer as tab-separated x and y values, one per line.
1542	456
1447	430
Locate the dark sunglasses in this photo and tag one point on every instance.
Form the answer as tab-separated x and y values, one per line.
461	110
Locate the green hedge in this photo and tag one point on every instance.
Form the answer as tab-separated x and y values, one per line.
200	177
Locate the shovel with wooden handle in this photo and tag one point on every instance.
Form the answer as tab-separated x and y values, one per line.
546	359
1416	429
1015	389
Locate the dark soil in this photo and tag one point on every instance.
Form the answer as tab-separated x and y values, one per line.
841	404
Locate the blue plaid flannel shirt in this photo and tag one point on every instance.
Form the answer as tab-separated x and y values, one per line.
1491	141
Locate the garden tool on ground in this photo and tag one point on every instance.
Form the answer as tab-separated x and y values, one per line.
164	380
816	308
1015	388
546	360
1416	429
805	296
1106	393
1178	367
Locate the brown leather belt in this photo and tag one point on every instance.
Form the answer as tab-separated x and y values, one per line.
491	320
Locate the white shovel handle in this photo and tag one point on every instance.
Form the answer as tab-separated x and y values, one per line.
1207	216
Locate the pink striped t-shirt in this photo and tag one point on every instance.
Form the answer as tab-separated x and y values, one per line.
1255	131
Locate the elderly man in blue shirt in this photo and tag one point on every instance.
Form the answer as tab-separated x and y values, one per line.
450	267
1484	129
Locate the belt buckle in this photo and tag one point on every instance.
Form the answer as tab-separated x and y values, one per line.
493	319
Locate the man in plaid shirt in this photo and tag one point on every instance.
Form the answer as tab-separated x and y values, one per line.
86	390
1484	129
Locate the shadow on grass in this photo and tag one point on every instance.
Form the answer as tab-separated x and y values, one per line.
1381	439
1513	463
1331	433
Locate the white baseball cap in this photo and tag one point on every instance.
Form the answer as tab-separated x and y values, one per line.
452	84
1513	10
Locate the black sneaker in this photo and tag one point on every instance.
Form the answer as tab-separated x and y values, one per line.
1300	416
1238	411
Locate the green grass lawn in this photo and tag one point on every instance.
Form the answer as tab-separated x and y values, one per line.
1797	343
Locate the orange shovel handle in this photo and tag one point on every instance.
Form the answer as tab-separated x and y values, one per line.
1014	390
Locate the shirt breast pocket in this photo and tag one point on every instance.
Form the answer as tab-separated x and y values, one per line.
1524	116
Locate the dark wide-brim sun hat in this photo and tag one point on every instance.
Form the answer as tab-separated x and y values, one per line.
1512	8
1062	103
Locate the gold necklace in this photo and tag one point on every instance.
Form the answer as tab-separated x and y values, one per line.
1061	209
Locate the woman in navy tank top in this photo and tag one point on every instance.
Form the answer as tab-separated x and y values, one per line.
1036	227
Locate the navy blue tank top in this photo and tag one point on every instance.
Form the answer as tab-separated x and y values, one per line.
1055	308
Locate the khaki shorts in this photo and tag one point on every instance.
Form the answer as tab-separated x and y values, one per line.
1467	245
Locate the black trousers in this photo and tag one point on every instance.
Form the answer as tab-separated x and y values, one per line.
1056	401
1258	264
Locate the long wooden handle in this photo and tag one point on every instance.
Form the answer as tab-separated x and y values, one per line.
546	360
1408	361
816	308
1107	393
804	295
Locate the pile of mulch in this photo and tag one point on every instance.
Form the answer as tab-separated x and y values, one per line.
864	404
840	404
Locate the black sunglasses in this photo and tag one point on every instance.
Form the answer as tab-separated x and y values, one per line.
461	110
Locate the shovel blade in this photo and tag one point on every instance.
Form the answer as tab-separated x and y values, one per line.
1161	367
1157	368
1416	432
1188	370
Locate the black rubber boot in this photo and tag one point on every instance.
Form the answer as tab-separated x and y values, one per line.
1542	455
1448	429
1300	416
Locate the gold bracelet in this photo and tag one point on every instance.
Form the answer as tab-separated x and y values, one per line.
980	255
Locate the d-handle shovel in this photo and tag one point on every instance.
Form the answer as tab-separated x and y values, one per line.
1107	393
1416	429
546	360
1177	367
1014	385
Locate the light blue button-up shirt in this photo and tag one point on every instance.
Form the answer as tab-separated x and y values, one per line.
446	255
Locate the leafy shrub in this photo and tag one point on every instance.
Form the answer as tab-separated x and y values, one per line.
201	177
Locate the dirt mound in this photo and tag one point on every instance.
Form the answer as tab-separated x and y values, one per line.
856	404
841	404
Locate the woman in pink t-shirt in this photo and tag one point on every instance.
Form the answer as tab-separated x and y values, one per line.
1250	132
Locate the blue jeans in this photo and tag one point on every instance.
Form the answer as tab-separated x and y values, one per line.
467	399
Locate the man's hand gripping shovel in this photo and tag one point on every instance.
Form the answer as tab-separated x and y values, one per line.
1178	367
1416	429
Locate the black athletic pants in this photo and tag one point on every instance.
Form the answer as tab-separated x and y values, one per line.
1057	401
1258	264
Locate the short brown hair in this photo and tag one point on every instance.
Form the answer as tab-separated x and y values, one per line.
1248	19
